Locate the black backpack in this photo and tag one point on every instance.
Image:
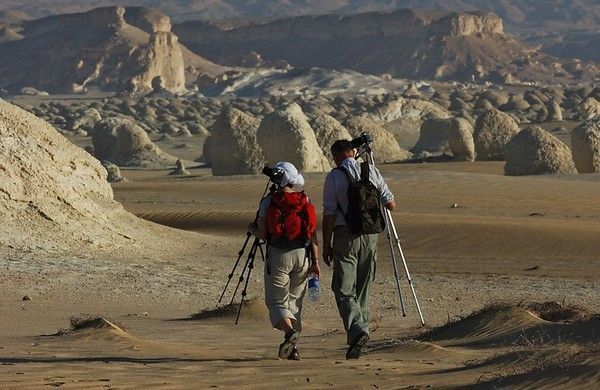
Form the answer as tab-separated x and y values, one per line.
364	214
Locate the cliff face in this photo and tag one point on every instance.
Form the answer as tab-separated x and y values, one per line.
403	43
112	48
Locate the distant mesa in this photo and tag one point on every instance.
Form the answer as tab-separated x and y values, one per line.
402	43
112	49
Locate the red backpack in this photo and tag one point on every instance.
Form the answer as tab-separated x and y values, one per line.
291	220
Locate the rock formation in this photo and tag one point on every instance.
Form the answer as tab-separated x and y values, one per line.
385	147
86	120
585	144
122	142
433	136
534	151
179	169
232	148
450	45
554	112
55	198
590	108
492	132
407	108
460	139
113	172
110	52
403	117
328	130
286	135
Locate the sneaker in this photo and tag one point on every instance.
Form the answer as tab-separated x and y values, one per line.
355	348
289	344
294	355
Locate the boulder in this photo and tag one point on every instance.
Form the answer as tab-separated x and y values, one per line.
497	98
433	136
406	108
590	108
585	144
113	172
483	104
542	115
492	132
386	148
457	104
232	148
87	120
179	169
122	142
328	130
554	112
462	95
460	139
31	91
516	103
286	135
534	151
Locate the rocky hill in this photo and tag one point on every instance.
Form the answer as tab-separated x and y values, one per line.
403	43
514	12
112	48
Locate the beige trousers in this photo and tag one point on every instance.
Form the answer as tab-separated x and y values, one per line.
286	272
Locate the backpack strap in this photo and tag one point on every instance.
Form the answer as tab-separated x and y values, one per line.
351	180
365	170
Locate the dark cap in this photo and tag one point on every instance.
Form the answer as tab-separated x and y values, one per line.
341	145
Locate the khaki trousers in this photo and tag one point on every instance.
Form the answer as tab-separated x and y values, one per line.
354	263
286	272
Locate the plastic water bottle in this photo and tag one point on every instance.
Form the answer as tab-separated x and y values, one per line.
313	288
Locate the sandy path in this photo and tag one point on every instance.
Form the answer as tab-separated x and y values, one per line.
462	258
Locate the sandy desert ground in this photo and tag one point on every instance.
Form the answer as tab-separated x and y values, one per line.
511	239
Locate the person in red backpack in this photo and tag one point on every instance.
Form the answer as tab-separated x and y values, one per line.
287	220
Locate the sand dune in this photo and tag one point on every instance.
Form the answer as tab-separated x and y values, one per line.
96	329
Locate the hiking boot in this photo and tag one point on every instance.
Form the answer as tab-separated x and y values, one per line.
355	349
294	355
289	344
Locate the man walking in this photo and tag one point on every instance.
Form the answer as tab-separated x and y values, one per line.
352	252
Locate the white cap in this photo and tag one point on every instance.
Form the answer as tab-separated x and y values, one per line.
291	175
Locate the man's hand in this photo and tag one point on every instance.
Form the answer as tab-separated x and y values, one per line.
315	268
391	205
328	255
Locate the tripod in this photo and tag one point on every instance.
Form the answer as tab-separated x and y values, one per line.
392	236
257	247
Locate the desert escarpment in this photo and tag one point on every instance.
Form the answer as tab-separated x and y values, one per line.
457	45
111	48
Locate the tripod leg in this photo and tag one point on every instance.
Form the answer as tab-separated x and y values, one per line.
251	255
245	290
240	254
408	277
394	263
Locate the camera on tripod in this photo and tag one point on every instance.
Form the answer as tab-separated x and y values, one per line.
274	174
363	139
